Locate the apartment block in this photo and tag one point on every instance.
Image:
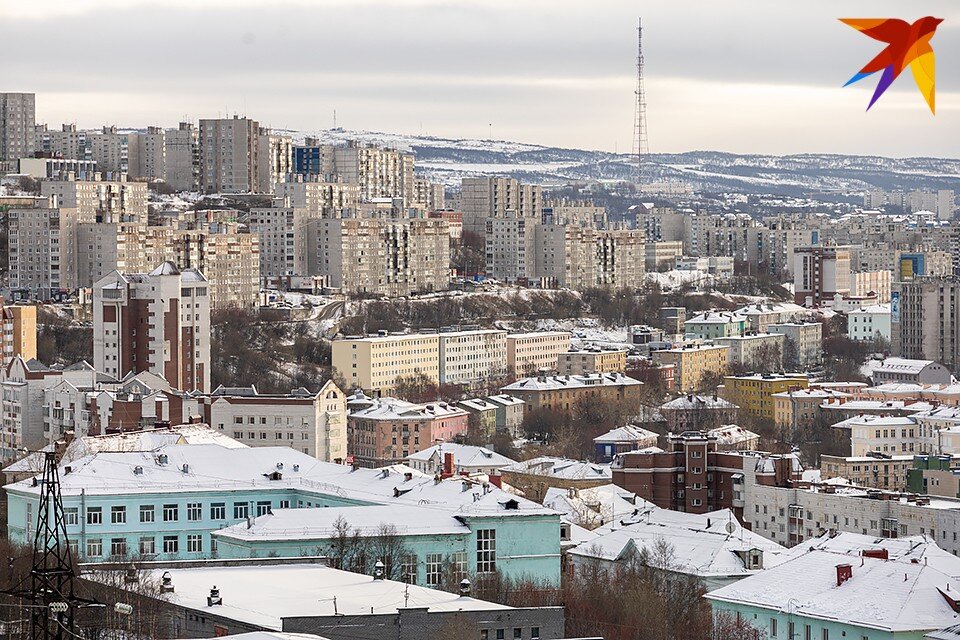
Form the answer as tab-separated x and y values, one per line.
42	252
100	200
22	388
820	273
693	363
114	152
68	142
579	362
379	172
529	353
806	338
755	393
757	351
56	167
18	112
321	199
576	212
390	257
374	363
510	243
19	332
718	235
283	242
579	257
488	198
314	423
562	393
925	320
182	157
472	356
428	196
157	322
384	431
274	160
662	254
869	323
878	283
229	155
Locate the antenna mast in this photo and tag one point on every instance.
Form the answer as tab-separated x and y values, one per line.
640	148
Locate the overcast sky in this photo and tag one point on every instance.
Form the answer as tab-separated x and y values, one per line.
746	76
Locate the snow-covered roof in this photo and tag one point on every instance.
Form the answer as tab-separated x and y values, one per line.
903	365
561	468
365	521
464	455
303	590
882	308
895	596
595	506
181	468
909	549
704	545
548	383
396	409
626	433
730	434
505	399
811	392
689	401
715	317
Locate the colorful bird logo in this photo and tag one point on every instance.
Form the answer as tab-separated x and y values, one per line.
907	44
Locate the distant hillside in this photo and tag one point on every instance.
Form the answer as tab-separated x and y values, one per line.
448	160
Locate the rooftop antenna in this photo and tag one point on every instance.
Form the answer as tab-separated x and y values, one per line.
640	148
334	118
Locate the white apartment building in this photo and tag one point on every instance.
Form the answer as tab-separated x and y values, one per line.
869	323
468	357
320	199
182	157
22	389
886	434
315	424
157	322
100	200
17	120
42	252
379	172
755	350
807	337
510	242
483	199
283	243
528	353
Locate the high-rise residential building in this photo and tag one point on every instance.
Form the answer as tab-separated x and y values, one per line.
488	198
579	212
427	195
580	257
149	155
182	157
157	322
229	155
386	256
511	244
925	320
68	142
113	151
379	172
718	235
17	121
42	252
282	232
530	353
819	273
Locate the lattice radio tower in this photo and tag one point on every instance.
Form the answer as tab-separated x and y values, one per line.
640	148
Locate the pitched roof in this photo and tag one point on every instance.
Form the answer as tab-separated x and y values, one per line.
561	468
626	433
464	455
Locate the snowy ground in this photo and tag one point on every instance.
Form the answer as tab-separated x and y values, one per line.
586	330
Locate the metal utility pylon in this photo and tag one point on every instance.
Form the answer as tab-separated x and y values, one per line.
52	575
640	148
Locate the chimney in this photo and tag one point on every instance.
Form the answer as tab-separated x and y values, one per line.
166	583
844	573
214	597
880	554
448	464
464	588
379	572
407	477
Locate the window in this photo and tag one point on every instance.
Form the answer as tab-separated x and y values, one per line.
194	543
825	634
486	550
94	548
171	513
218	511
434	569
147	513
807	632
517	633
118	547
241	510
284	504
263	507
148	546
118	515
408	569
194	511
773	627
171	544
534	633
94	516
71	515
500	634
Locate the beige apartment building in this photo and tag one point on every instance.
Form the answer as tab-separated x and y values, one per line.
925	327
807	337
67	142
42	252
18	112
877	472
315	424
283	239
428	196
157	322
374	363
274	161
755	351
114	152
580	362
379	172
583	213
488	198
529	353
389	257
229	155
510	243
662	254
579	257
103	247
19	332
226	255
819	273
693	363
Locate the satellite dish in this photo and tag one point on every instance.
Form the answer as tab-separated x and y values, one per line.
730	527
